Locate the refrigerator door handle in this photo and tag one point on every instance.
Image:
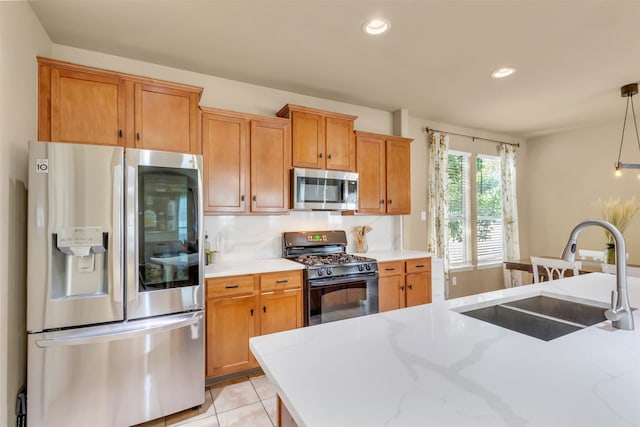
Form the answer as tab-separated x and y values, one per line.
131	224
122	332
117	263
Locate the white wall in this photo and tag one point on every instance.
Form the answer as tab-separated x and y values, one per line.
568	173
21	39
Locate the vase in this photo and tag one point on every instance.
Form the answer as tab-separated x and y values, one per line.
610	254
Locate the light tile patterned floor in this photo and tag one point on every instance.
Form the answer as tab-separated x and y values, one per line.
243	402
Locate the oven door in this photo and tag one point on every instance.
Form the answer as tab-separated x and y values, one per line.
338	298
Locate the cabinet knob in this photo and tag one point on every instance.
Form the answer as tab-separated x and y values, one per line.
255	198
320	155
390	201
329	156
264	308
382	201
402	288
252	311
242	198
410	287
138	136
120	133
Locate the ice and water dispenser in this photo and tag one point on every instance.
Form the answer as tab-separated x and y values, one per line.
79	262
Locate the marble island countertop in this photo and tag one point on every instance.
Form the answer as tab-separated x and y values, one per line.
430	365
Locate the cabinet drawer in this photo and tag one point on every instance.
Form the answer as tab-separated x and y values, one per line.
280	280
232	285
390	268
418	265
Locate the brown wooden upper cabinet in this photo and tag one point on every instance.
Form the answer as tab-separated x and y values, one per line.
384	168
92	106
321	139
246	162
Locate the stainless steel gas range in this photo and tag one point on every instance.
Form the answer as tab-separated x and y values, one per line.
337	285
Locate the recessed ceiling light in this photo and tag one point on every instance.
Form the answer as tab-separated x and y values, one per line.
376	26
503	72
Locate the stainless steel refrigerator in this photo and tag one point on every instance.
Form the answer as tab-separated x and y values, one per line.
115	285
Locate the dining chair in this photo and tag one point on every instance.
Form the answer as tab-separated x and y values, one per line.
611	269
589	254
554	268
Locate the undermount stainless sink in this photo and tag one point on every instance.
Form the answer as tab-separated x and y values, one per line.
540	316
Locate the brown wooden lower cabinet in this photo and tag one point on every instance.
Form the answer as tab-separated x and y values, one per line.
230	323
404	283
240	307
280	311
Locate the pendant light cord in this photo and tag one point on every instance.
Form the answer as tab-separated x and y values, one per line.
624	124
635	123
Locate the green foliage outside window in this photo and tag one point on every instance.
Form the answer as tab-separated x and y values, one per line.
488	192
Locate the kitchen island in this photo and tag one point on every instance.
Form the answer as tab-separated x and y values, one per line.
431	365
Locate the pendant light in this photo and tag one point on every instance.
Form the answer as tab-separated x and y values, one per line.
628	91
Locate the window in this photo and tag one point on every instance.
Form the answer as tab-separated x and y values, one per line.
458	188
475	224
489	210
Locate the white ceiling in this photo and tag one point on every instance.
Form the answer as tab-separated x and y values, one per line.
572	56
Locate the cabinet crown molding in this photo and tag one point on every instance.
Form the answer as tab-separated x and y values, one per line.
238	114
289	108
382	136
56	63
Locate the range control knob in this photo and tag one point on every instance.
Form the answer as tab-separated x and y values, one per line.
360	267
368	267
320	271
329	271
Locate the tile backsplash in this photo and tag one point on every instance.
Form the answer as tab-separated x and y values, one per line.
258	237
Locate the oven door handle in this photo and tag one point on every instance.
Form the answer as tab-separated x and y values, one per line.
342	279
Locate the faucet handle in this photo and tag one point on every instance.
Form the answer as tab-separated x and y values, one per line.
614	299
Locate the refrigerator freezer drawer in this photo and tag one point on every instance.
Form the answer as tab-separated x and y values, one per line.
116	375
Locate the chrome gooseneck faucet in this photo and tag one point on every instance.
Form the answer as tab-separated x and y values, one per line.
620	311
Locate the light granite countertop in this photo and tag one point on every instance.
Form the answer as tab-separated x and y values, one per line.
430	365
395	255
253	266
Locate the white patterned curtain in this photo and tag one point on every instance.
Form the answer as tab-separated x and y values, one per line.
438	232
511	236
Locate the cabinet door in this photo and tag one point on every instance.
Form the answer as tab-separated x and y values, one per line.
280	311
225	147
391	293
308	140
85	108
370	153
340	144
166	119
230	324
418	288
270	158
398	177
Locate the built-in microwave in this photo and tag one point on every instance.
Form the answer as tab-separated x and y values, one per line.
315	189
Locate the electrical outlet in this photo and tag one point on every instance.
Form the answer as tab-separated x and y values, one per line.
453	280
423	216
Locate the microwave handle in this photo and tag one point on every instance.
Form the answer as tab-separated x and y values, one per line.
345	190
